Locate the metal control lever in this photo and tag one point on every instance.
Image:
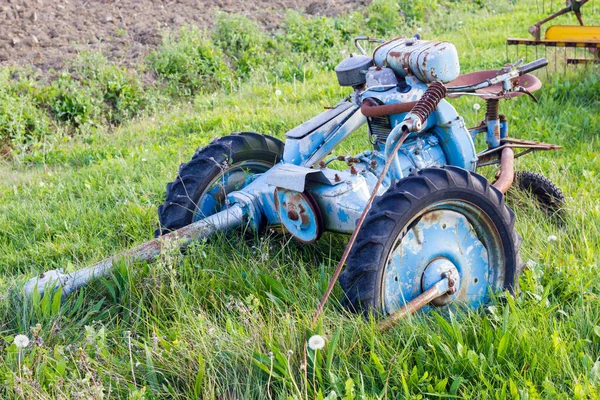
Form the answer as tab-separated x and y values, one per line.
367	39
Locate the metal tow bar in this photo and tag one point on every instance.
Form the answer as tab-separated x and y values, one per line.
441	288
229	218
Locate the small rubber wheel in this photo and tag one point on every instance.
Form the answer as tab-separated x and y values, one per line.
549	196
438	221
227	164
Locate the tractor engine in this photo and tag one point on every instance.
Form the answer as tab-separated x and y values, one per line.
391	82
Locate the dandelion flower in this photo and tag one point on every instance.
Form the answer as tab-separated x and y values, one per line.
21	341
290	352
278	93
316	342
476	106
552	238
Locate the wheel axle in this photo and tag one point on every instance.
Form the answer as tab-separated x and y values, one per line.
440	289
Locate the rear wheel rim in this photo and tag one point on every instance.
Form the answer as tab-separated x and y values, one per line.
455	232
214	198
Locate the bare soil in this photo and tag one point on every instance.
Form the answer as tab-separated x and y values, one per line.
47	33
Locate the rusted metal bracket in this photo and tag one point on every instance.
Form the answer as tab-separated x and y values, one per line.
492	156
444	286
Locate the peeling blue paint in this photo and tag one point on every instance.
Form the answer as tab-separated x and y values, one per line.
342	215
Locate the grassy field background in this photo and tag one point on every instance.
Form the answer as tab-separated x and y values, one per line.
230	318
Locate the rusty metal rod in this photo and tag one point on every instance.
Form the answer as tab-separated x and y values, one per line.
507	170
370	109
361	219
437	290
70	282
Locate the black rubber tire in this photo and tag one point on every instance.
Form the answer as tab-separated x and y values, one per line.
390	213
549	196
208	162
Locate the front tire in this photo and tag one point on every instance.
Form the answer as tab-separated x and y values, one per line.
438	217
201	187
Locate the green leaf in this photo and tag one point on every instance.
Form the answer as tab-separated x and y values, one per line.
514	390
350	394
440	387
56	300
151	372
331	348
276	288
455	385
199	377
503	346
61	367
264	363
378	365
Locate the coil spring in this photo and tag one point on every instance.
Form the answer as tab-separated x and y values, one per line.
492	109
429	101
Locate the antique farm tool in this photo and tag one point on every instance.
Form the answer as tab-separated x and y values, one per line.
566	36
427	230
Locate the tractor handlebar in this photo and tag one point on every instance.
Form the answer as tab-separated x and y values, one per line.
532	66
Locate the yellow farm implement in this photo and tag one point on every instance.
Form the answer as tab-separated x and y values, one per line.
575	37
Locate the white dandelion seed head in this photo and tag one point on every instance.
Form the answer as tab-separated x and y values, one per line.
476	106
21	341
270	354
552	238
278	93
290	352
419	29
316	342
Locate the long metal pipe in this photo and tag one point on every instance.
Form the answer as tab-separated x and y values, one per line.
70	282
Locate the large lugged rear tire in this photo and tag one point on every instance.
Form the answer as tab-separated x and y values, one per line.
226	164
437	218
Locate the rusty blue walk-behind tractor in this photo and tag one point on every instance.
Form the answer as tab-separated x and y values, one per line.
436	230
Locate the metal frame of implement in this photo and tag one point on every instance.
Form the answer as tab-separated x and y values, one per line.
565	36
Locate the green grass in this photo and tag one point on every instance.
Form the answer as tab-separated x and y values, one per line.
230	318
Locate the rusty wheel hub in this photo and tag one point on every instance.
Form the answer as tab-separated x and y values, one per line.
299	214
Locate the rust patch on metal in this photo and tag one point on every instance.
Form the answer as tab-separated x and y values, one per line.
507	170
